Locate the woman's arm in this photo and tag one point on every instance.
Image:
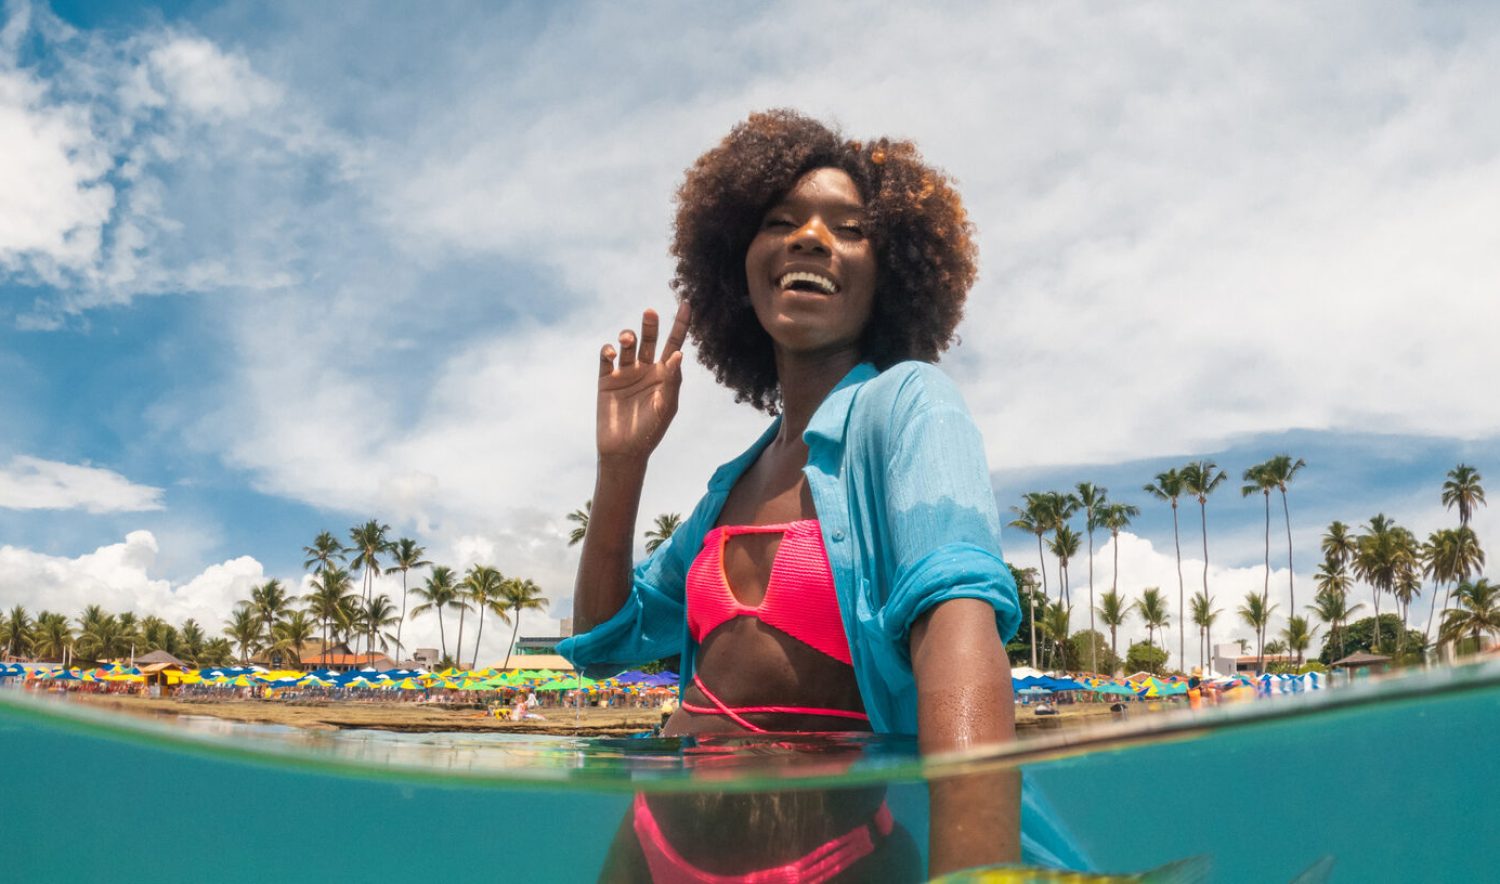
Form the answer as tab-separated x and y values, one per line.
636	403
964	702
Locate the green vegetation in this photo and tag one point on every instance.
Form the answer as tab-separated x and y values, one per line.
1145	657
1381	554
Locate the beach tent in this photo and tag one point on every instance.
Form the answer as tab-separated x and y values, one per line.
1113	689
1064	684
568	684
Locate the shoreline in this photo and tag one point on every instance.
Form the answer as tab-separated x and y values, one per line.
400	717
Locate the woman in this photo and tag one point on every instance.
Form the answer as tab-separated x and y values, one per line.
844	573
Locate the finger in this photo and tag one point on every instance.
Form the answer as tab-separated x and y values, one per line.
649	328
679	331
606	360
627	348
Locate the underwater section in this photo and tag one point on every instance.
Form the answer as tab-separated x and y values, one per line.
1388	780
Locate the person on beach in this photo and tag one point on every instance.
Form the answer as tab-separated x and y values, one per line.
844	572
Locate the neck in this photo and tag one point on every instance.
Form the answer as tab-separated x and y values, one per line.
806	379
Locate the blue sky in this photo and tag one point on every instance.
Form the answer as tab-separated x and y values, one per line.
267	269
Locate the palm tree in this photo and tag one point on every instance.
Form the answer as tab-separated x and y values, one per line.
1331	606
1200	479
1153	610
408	556
1386	550
1340	546
368	545
1450	556
581	518
1463	490
269	602
325	550
482	586
16	631
327	601
1282	469
1115	518
244	628
437	593
460	603
1054	625
52	635
1204	616
99	634
215	652
1033	517
1169	486
1297	635
194	642
378	615
1093	499
1059	510
292	633
1259	478
1408	586
1256	612
1113	610
1477	614
665	526
520	595
1064	544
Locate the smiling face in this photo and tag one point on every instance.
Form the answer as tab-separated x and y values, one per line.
811	267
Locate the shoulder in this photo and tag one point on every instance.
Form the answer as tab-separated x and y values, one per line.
907	389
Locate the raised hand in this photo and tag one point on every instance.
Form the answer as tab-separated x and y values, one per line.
638	391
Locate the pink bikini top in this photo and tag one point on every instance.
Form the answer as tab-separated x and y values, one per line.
800	598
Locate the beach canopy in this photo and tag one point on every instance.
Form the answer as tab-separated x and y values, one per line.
568	684
1113	689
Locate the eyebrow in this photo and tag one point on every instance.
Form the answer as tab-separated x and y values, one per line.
788	202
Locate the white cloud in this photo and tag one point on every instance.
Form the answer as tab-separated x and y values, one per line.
1194	224
30	483
118	577
53	199
208	81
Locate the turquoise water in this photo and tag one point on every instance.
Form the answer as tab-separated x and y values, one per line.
1394	780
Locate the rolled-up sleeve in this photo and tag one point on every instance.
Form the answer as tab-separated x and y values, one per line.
650	625
940	511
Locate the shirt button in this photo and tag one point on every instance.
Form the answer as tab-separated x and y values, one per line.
838	536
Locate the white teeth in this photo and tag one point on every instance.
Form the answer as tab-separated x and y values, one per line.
821	282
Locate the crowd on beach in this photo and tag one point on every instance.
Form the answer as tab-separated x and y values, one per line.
519	691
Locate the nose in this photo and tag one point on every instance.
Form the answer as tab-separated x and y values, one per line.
814	237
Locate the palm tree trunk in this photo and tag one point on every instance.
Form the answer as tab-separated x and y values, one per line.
1041	558
400	648
479	634
1093	648
1114	588
1181	593
1291	586
442	635
1375	593
1265	596
459	651
516	625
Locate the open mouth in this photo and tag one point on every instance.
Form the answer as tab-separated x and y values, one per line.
802	281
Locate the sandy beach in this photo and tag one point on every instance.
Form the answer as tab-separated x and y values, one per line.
429	718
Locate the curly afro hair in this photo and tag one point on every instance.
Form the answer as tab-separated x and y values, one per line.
924	246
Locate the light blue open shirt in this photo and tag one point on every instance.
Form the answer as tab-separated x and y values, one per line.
897	473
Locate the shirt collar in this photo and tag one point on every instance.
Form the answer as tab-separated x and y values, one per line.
832	417
827	425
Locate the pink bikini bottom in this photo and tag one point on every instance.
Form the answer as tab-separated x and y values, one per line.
823	863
